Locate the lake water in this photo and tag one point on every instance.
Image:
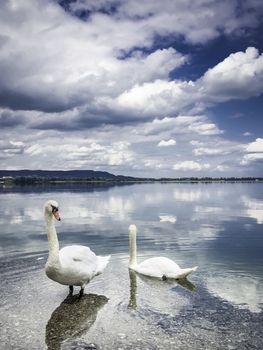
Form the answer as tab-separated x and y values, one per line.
217	226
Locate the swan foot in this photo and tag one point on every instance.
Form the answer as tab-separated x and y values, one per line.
70	290
164	278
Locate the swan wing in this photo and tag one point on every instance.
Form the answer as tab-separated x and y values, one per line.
78	263
161	266
158	267
77	253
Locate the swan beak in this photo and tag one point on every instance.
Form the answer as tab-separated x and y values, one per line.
56	215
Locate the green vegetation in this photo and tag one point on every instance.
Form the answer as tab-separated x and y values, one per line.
36	180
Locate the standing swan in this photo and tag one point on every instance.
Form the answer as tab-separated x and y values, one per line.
158	267
74	265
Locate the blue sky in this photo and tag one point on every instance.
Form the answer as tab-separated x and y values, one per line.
143	88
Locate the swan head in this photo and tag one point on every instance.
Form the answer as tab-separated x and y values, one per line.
51	207
132	228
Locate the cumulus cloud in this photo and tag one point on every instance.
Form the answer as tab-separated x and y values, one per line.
42	71
190	165
238	76
102	63
168	218
157	98
217	148
208	151
197	21
256	146
104	71
255	152
251	157
197	125
167	143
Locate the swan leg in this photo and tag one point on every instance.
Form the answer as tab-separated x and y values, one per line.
81	292
71	290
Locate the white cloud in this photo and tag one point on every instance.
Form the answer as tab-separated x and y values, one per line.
240	75
153	163
11	148
256	146
251	157
222	167
197	21
197	124
247	133
155	98
208	151
205	129
167	143
191	165
254	150
168	218
196	143
89	154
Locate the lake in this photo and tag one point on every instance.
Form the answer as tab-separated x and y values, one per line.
217	226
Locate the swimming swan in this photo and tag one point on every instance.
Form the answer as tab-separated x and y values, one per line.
74	265
158	267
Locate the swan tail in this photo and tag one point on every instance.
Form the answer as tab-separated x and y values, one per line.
103	262
186	272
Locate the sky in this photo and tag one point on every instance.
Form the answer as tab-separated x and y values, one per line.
169	88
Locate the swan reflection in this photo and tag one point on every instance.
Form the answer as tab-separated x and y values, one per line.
72	318
155	283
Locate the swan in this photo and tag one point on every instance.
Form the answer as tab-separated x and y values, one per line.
74	265
159	267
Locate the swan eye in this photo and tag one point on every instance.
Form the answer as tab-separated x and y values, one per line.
54	209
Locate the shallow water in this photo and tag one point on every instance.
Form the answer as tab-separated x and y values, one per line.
215	226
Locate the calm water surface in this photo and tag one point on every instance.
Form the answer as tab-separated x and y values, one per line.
215	226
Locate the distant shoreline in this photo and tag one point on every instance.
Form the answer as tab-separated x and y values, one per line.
24	181
48	177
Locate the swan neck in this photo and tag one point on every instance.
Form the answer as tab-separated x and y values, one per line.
133	248
53	244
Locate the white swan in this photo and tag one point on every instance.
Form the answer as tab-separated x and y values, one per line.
74	265
159	267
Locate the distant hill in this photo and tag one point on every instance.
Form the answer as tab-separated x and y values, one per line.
61	174
50	176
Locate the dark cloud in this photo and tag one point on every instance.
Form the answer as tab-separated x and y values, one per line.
9	120
85	119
